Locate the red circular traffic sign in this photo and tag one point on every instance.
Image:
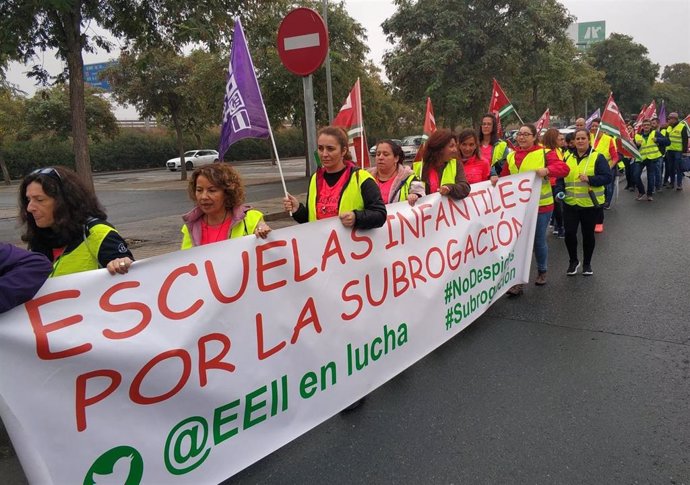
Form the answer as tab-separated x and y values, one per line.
302	41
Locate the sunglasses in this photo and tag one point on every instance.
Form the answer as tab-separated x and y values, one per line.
49	171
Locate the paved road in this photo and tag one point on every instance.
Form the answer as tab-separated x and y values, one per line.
586	380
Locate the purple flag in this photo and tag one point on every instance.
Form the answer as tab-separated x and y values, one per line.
592	117
662	114
244	114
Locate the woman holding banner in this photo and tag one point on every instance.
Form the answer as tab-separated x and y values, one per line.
220	212
64	221
397	182
476	167
339	188
531	157
440	171
492	148
584	194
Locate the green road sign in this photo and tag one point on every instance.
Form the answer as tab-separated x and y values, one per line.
590	32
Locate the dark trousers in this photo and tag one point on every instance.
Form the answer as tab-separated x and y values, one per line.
557	209
629	178
585	217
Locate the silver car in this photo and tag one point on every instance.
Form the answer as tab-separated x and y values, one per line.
193	159
410	146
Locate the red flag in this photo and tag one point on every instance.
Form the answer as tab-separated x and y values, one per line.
350	118
650	112
499	127
613	124
544	121
640	117
429	128
499	102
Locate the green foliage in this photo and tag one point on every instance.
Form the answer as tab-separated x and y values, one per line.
677	74
676	97
48	114
627	68
134	149
451	49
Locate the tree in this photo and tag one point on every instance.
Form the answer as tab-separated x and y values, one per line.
677	74
676	97
28	28
48	113
451	49
163	84
11	116
628	70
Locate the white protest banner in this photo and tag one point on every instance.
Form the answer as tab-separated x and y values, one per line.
198	363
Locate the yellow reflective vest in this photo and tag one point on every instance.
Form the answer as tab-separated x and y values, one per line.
85	256
648	147
498	152
447	176
350	200
241	228
576	191
533	161
675	136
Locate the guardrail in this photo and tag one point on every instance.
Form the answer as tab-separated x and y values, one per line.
137	123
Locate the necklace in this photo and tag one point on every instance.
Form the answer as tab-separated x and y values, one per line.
225	216
208	230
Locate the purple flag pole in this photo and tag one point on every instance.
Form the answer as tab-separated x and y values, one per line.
662	114
592	117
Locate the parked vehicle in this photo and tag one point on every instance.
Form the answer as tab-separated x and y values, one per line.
372	150
410	146
193	159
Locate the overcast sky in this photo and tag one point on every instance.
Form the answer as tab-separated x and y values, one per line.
663	26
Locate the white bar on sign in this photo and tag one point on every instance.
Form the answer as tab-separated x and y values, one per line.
301	42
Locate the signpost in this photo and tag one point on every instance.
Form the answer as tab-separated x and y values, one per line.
92	75
302	48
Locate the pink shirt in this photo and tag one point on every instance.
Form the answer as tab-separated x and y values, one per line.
219	232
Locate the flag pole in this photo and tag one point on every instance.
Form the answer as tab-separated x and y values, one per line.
361	119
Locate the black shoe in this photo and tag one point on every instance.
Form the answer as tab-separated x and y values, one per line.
561	233
572	268
587	270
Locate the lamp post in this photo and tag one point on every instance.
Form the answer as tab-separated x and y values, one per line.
329	85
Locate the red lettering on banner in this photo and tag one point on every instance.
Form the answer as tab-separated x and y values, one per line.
424	216
367	286
217	361
165	310
505	193
135	389
469	248
441	217
213	281
355	298
332	249
457	209
262	267
299	276
82	402
140	307
42	330
391	242
482	231
265	354
525	186
399	276
416	273
307	316
404	222
361	238
454	259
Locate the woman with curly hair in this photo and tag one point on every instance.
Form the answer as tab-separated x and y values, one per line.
220	212
64	220
440	171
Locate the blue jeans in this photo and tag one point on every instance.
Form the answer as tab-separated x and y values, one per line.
541	249
659	167
651	166
637	176
675	159
608	189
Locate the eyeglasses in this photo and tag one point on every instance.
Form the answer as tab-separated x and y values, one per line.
49	171
524	133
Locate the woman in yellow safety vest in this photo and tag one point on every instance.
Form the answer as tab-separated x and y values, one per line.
64	220
440	171
584	194
491	146
397	182
339	188
529	156
220	212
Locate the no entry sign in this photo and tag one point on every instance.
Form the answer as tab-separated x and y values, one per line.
302	41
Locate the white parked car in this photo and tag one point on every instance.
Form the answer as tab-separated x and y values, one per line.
193	159
410	145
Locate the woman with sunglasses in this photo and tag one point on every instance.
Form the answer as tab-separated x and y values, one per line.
64	220
529	156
